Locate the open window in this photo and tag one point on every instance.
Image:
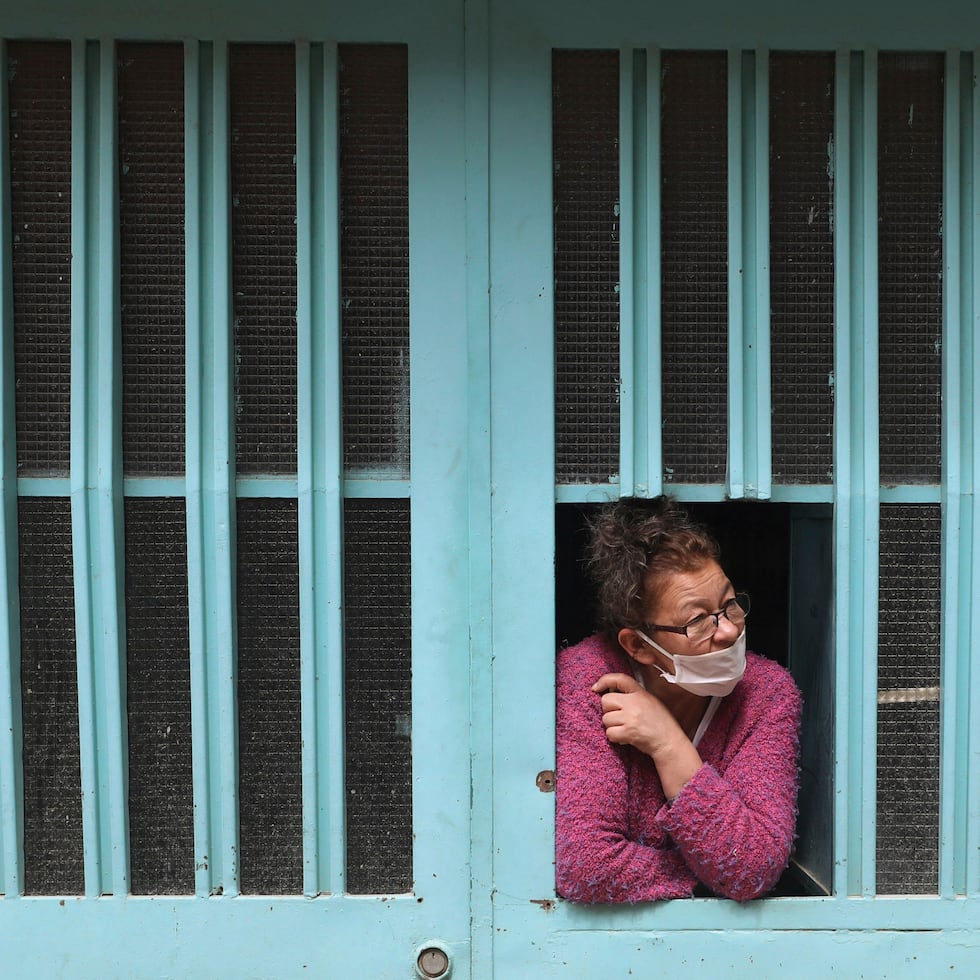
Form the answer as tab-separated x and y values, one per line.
781	555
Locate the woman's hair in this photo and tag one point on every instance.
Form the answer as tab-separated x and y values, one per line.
634	542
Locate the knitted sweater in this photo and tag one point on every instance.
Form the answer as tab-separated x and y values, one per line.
732	825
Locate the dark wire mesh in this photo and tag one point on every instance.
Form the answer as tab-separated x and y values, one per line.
801	195
694	135
40	209
586	228
151	256
263	179
378	695
158	697
910	254
909	618
269	723
374	256
53	856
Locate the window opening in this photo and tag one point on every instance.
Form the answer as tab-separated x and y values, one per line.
40	200
151	256
586	243
378	695
158	698
781	555
801	209
53	861
269	735
909	611
374	257
694	241
910	250
263	221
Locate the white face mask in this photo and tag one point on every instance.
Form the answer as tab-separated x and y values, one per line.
715	673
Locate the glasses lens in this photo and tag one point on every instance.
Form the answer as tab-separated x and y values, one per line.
737	609
701	628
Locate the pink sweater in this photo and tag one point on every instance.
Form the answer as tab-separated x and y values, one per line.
731	827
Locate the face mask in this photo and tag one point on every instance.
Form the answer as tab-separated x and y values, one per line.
715	673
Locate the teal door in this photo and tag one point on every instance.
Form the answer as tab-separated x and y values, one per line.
733	258
236	673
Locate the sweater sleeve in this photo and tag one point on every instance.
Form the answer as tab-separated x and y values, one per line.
596	861
736	829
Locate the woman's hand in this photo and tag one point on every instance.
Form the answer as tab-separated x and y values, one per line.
633	716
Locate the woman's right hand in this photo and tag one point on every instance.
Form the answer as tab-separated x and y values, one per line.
633	716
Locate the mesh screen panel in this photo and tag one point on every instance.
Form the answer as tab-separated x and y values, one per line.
151	256
269	735
40	203
586	228
801	194
263	178
374	256
378	694
158	697
908	695
53	859
910	198
695	265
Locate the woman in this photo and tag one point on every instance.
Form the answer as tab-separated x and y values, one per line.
677	751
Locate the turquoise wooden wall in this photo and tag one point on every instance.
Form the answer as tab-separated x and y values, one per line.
482	493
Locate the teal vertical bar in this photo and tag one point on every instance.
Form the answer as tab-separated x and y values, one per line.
522	453
749	397
11	769
96	487
476	136
640	397
440	489
632	386
758	406
653	388
856	469
954	692
320	467
210	470
970	408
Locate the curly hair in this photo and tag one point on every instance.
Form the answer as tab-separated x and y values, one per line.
634	541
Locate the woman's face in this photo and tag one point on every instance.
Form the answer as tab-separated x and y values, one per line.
681	597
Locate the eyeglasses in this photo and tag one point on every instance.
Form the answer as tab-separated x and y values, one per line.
703	627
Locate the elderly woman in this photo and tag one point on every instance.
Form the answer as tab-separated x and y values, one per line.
677	750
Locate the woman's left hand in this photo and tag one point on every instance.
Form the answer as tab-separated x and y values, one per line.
633	716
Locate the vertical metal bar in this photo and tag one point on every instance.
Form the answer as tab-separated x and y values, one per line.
758	408
856	467
653	377
476	114
522	444
970	367
11	769
441	689
641	468
210	470
952	756
320	467
630	305
749	396
96	488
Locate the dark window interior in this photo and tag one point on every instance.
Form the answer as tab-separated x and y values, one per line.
755	551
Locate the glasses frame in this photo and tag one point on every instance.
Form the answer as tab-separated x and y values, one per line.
740	599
